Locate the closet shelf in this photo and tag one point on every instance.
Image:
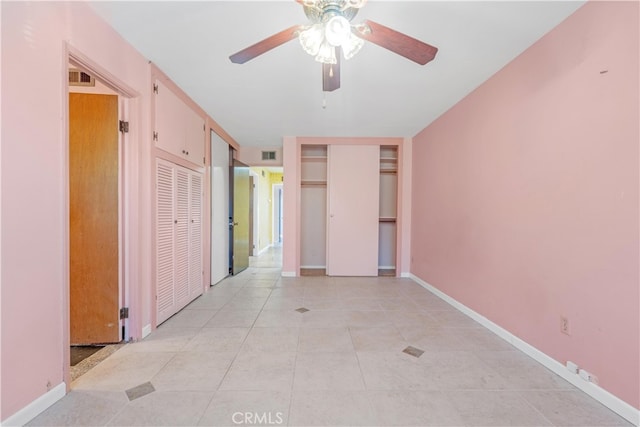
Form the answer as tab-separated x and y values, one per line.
388	171
314	183
387	219
314	158
388	160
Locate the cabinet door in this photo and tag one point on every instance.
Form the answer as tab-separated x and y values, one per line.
169	120
165	214
194	136
195	236
353	203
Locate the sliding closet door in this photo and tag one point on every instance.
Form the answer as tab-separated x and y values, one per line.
353	181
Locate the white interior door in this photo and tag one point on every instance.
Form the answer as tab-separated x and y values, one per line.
353	204
219	208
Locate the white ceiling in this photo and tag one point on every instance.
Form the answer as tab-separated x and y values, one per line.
280	93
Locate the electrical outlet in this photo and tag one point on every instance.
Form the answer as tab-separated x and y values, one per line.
564	325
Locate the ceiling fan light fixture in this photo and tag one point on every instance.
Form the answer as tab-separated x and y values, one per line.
327	54
337	30
311	39
356	3
336	4
352	46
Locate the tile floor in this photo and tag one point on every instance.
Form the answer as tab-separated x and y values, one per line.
368	352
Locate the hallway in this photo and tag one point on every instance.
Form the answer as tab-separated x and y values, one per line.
259	349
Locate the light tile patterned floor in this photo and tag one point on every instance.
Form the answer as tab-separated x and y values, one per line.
243	354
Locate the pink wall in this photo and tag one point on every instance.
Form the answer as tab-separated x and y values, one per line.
34	183
252	156
525	196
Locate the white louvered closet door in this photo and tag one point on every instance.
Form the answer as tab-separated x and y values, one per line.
178	237
195	236
165	206
182	237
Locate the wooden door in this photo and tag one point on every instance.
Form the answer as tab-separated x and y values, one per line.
353	203
93	218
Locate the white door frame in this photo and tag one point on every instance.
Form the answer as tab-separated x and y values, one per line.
128	196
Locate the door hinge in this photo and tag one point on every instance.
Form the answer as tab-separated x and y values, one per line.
124	126
124	313
155	136
155	88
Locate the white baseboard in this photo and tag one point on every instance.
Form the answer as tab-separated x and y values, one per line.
288	274
406	275
612	402
33	409
265	249
146	330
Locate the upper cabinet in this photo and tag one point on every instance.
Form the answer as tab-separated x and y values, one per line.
178	129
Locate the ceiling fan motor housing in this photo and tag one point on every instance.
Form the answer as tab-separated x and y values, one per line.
322	11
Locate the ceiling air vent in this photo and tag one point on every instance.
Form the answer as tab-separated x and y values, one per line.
268	155
80	78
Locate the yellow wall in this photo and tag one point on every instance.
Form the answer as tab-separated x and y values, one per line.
265	206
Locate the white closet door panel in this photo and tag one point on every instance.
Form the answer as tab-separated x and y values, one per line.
219	208
182	238
195	237
164	241
353	194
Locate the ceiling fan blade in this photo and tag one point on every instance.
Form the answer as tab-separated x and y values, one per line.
396	42
265	45
331	74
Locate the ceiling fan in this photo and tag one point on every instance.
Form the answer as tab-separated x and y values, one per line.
331	33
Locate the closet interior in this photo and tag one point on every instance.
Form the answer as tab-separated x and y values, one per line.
315	192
